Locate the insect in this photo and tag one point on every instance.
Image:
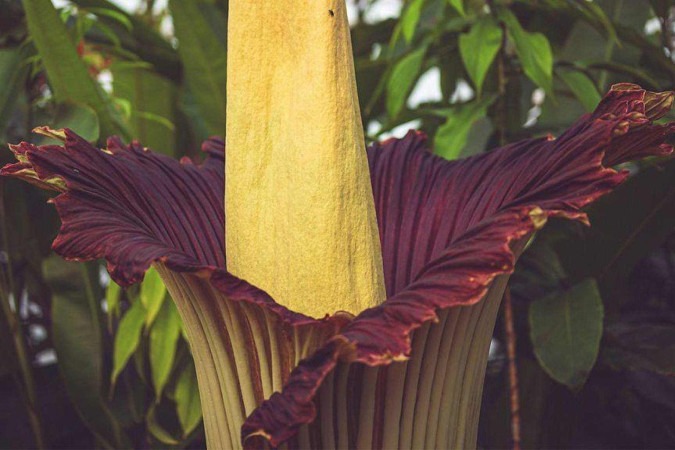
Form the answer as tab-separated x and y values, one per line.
332	14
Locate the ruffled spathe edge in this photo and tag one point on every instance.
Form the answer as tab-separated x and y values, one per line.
619	130
133	207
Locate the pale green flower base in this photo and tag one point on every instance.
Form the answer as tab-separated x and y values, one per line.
429	401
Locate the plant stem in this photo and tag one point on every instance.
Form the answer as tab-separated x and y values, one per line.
501	123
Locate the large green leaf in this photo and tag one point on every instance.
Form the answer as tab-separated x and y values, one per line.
188	404
163	339
452	135
152	295
67	74
77	335
458	5
539	271
582	87
534	52
127	338
78	117
204	59
565	329
401	80
594	14
153	101
479	48
112	300
12	76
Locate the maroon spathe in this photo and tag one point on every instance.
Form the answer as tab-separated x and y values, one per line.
447	228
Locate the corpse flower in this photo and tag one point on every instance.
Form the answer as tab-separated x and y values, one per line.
351	299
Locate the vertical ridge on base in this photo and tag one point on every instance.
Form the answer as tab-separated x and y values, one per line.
413	404
242	354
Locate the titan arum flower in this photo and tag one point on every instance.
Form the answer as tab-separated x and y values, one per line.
351	301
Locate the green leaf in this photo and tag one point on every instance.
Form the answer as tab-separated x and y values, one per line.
152	295
127	338
68	76
565	329
479	48
12	77
83	23
112	300
142	40
78	341
458	5
410	19
403	76
113	14
452	135
594	14
110	34
154	100
140	360
163	339
78	117
188	405
534	52
539	271
204	60
166	124
582	87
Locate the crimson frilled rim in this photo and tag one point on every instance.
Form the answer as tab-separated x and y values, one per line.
447	228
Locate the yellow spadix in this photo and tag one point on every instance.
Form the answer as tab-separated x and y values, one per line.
300	216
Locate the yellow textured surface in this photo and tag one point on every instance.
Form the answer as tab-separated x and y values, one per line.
300	216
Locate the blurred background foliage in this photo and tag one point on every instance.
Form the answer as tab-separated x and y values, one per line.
87	364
